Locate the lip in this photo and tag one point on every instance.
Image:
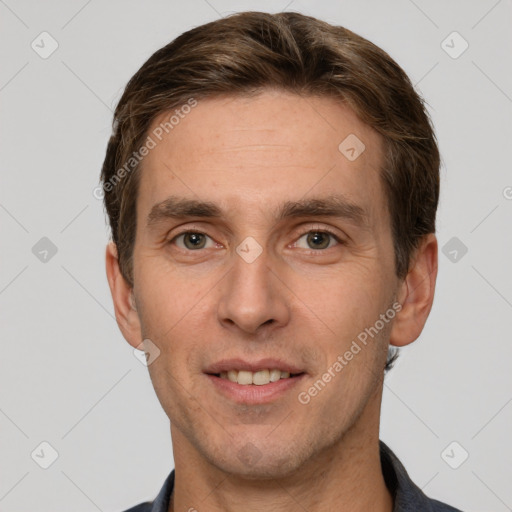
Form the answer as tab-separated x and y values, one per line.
252	366
251	393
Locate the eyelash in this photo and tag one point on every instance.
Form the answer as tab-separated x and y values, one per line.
319	230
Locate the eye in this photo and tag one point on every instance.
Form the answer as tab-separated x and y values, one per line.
192	240
318	240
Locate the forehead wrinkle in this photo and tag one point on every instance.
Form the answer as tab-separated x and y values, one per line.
256	146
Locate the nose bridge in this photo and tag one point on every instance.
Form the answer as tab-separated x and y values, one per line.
251	295
251	270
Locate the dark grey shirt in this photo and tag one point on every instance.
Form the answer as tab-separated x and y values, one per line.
407	496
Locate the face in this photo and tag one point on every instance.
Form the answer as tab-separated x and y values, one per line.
290	260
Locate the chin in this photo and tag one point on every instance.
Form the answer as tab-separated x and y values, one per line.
251	464
259	472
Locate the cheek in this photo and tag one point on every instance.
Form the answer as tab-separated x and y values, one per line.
169	300
345	302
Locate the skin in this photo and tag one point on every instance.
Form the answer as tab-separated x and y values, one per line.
295	302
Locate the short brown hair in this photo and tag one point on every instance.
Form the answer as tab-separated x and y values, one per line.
244	54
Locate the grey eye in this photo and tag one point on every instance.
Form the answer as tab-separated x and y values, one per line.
192	240
317	240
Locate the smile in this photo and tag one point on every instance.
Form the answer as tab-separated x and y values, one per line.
254	394
259	378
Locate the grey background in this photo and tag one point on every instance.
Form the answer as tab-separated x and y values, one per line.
67	376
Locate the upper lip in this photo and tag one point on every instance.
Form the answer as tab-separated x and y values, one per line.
252	366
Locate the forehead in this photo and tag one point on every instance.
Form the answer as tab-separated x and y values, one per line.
268	148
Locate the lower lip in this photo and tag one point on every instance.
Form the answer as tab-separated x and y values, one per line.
253	394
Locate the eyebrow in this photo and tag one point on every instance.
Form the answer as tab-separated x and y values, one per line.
337	206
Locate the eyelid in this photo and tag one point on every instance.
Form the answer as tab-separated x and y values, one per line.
319	228
188	228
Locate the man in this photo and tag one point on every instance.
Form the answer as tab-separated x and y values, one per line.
272	184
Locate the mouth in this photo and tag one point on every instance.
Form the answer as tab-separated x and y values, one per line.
254	388
254	382
261	377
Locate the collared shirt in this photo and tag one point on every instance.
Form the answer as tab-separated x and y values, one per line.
407	496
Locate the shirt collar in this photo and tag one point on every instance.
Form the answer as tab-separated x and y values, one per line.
407	496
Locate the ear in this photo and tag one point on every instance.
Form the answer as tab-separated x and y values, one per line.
123	298
416	294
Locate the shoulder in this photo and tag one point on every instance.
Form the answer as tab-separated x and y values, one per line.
142	507
161	502
437	506
408	497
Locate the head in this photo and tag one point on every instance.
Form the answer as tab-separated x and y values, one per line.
304	161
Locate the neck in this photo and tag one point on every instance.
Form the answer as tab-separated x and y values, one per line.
346	476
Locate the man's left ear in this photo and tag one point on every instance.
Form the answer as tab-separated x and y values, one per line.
416	294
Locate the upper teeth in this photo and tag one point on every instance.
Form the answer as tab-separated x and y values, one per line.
259	378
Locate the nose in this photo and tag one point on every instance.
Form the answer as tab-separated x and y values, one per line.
253	298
